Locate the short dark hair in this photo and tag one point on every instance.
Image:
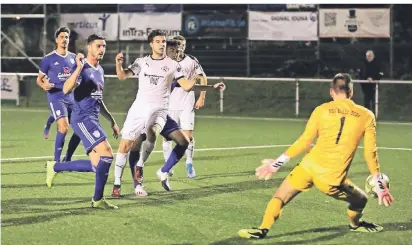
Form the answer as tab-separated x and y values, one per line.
172	43
94	37
179	38
60	30
342	82
154	34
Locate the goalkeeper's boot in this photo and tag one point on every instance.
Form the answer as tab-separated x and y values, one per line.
253	233
366	227
103	203
51	174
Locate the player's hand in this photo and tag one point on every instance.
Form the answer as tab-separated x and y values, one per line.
221	86
266	170
47	85
116	131
384	197
79	59
119	59
200	103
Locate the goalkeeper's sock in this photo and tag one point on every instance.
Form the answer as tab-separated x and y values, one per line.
272	213
354	217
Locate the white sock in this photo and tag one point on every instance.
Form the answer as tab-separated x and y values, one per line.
120	162
147	148
190	151
167	149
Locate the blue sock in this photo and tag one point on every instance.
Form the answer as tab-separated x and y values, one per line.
73	143
177	154
133	159
74	166
102	172
50	120
58	146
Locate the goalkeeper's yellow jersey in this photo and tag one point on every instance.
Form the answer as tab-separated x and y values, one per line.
339	126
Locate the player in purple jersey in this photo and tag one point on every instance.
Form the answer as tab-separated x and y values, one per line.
55	68
88	79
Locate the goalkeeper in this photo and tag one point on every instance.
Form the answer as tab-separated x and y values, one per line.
339	126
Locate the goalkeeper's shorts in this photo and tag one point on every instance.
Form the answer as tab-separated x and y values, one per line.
303	180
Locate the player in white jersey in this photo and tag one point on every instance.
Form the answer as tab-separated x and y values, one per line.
149	111
182	104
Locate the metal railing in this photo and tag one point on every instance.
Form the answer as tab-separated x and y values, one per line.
297	82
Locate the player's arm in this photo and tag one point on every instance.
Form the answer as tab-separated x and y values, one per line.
371	158
106	114
123	74
203	81
74	79
204	88
370	150
271	166
42	79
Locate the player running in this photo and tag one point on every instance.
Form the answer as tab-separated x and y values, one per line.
182	104
55	69
149	111
339	126
88	79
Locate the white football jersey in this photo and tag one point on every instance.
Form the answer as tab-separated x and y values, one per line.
179	98
155	79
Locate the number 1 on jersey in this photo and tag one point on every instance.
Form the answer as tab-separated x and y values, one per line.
342	122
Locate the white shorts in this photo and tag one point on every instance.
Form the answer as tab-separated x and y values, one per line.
140	118
185	118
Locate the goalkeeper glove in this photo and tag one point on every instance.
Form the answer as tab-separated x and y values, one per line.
384	197
271	166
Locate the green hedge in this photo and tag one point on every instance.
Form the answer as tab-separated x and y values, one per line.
252	98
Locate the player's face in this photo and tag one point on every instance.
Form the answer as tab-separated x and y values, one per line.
62	40
370	56
159	45
182	47
97	48
172	52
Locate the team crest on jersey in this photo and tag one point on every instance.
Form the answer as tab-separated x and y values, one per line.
96	134
72	61
165	68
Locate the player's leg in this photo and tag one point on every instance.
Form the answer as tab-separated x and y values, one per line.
120	162
167	144
172	131
100	159
60	113
131	130
137	171
297	181
74	140
187	122
357	200
49	122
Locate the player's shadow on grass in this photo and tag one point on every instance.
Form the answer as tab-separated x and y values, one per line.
337	231
45	218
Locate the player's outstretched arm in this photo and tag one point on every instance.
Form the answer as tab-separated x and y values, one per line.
122	74
71	82
271	166
186	84
221	86
106	114
371	158
202	97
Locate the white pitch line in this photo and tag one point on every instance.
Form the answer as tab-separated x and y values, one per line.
224	117
204	149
